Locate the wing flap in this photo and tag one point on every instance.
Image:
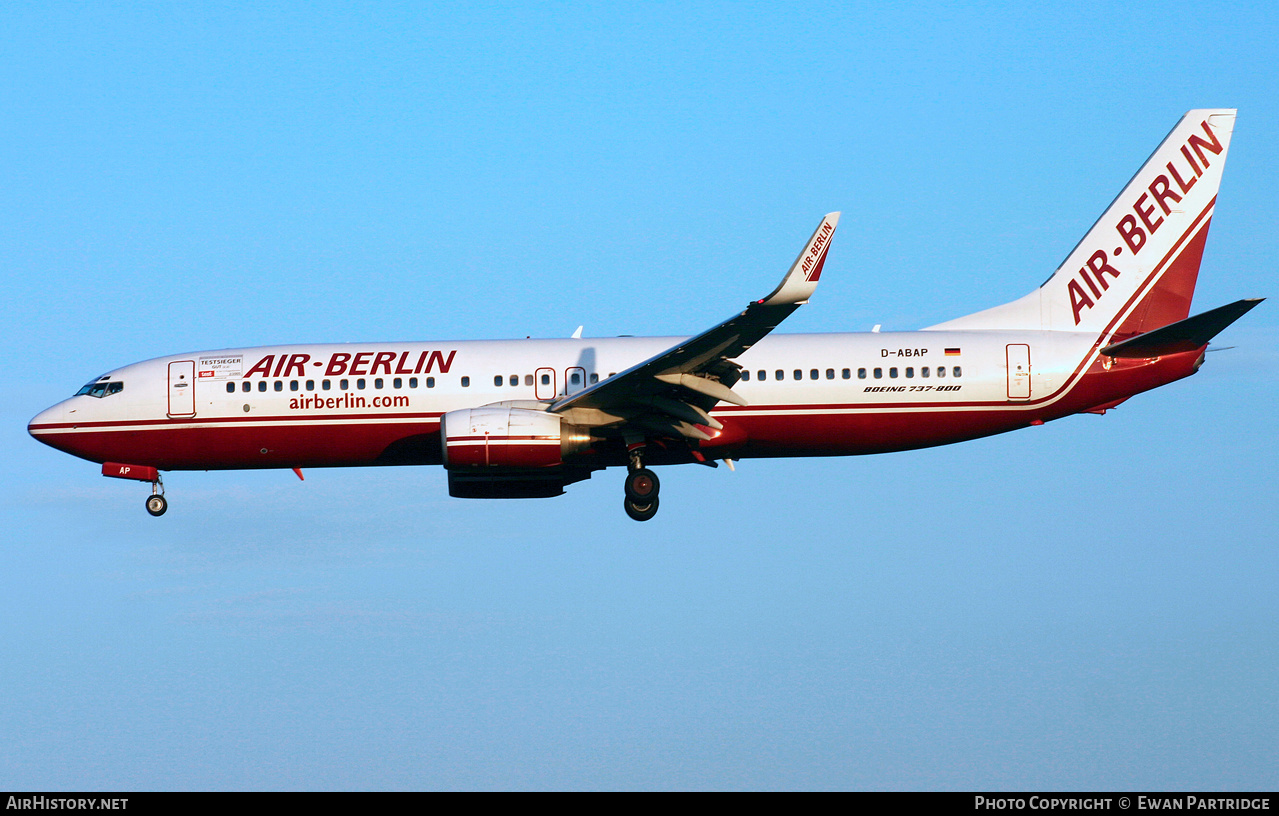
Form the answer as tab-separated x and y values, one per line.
686	411
703	385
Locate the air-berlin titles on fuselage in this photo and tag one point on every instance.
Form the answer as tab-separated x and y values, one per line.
1159	192
355	364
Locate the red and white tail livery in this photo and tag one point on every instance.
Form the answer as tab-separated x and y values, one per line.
526	418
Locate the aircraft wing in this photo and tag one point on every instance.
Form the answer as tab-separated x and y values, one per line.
672	392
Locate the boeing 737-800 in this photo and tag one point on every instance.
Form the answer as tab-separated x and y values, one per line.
526	418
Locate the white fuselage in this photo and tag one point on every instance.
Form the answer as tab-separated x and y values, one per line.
322	405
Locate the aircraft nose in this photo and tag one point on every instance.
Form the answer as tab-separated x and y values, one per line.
45	421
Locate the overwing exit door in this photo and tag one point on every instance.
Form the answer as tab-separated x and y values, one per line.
544	385
574	379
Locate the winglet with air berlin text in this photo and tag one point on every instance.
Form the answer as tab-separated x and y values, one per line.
798	285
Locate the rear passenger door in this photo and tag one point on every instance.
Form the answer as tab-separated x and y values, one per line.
1018	371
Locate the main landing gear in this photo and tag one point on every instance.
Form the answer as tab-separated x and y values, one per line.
156	503
641	486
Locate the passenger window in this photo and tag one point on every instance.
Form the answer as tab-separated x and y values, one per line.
799	375
941	371
812	374
594	378
515	380
310	385
466	382
430	382
910	373
546	379
892	373
325	384
377	383
779	374
230	388
412	382
293	385
497	380
246	386
746	376
575	378
861	373
830	373
262	385
398	383
359	384
957	371
923	372
345	385
528	379
879	373
279	385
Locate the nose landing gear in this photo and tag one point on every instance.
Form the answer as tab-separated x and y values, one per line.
642	486
156	503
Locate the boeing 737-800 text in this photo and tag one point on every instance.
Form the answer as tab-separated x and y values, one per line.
525	418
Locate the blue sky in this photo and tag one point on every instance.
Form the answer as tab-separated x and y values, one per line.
1089	604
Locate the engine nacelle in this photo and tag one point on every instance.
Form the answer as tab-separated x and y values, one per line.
509	438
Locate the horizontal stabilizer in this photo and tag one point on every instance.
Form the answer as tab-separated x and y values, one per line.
1184	335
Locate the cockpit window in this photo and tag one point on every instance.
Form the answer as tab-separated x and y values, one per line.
100	389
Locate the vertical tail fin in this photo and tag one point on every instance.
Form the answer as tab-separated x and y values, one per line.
1136	268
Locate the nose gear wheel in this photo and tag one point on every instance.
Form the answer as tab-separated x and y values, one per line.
156	503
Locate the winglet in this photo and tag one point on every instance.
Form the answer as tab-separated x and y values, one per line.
800	282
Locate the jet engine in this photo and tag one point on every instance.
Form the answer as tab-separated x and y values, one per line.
504	452
508	438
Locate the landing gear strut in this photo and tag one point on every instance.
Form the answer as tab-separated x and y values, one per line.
156	503
641	487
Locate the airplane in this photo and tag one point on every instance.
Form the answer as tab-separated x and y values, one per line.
527	418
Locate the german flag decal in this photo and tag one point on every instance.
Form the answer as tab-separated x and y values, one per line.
952	352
